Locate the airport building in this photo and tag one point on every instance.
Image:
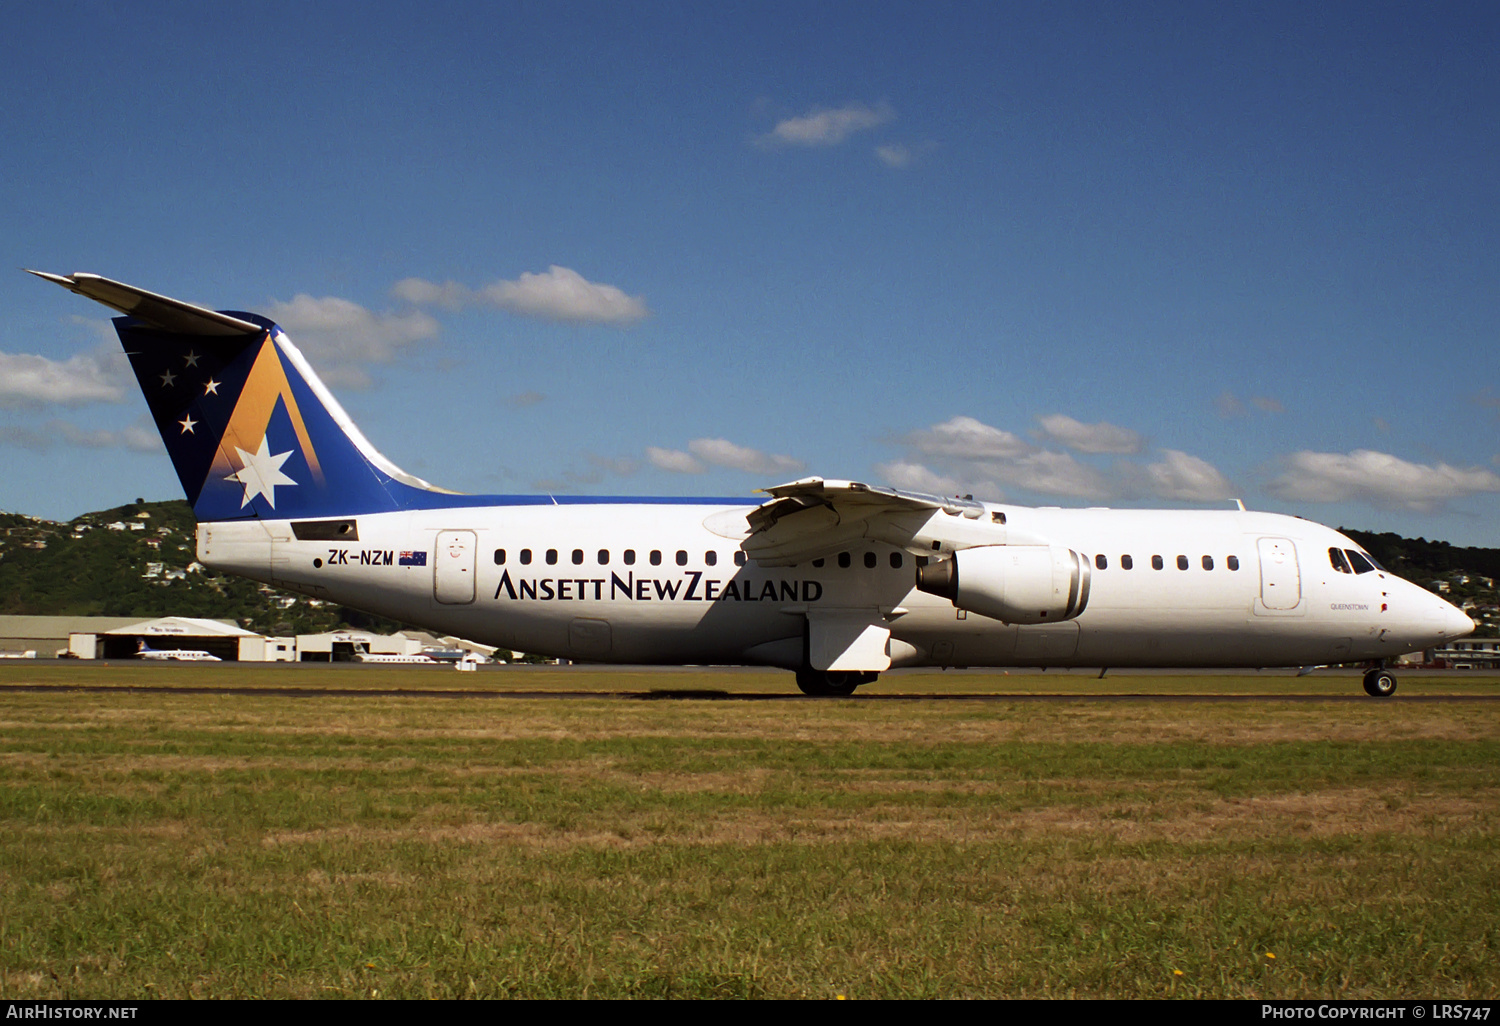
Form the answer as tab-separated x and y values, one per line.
47	637
222	639
1468	654
184	637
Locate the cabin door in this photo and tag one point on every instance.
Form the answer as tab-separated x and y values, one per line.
1280	583
453	567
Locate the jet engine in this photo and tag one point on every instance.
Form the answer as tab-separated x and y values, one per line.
1012	583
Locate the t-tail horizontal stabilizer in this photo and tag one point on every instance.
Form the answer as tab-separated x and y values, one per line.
251	429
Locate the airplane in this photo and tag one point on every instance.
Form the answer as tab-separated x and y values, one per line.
834	580
182	655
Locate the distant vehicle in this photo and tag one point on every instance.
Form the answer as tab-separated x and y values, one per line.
834	580
182	655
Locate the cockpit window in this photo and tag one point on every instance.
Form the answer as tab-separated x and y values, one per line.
1373	561
1361	564
1336	557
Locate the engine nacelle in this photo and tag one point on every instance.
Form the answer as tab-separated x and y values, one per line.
1013	583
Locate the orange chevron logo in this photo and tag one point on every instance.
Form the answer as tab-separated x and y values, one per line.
246	431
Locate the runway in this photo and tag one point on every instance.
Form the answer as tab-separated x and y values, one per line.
710	695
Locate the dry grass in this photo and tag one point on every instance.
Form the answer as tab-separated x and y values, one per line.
207	845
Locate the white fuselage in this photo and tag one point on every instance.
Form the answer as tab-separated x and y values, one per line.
485	573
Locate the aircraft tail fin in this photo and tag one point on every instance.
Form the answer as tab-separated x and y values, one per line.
251	429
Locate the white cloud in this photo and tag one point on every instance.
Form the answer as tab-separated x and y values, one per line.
917	478
558	294
674	460
620	466
102	328
524	399
720	452
1187	479
137	437
1378	478
966	438
1229	405
1053	473
893	155
29	380
418	292
1101	437
342	338
825	126
966	450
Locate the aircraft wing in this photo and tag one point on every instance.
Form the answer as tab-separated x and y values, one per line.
149	308
814	517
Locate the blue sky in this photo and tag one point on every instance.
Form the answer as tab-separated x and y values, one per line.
1059	254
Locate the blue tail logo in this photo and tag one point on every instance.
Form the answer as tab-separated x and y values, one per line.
233	421
251	430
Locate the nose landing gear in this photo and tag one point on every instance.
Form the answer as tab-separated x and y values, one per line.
1380	683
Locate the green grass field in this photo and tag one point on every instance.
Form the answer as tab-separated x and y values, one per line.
396	846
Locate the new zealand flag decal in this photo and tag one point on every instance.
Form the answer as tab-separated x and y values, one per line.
412	558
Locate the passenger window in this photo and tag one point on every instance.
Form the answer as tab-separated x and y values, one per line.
629	557
656	557
1100	562
578	557
604	557
1336	558
1126	563
1182	562
740	559
895	561
551	556
711	558
1360	563
870	560
922	561
1233	562
525	557
1156	563
844	560
819	562
499	557
1208	562
682	557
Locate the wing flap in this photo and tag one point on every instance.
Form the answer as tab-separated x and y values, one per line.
813	518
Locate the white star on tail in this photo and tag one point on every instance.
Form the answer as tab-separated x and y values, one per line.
260	473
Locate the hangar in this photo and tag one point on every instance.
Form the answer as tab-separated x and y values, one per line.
221	639
47	636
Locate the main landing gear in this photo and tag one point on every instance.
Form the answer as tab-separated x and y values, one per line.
1380	683
833	682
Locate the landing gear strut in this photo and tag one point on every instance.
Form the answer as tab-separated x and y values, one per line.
1380	683
832	682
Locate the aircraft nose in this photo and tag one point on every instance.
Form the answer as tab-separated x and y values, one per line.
1452	621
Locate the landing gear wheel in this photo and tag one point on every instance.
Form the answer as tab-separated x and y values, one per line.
1380	683
832	682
